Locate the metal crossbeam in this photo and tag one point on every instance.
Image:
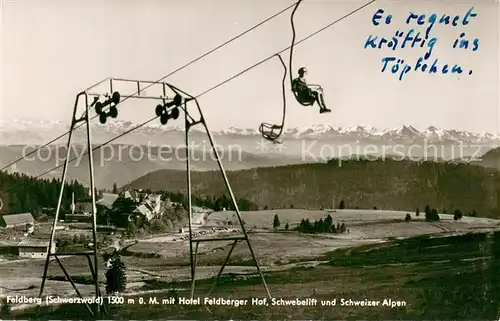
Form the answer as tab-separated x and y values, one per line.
72	253
110	85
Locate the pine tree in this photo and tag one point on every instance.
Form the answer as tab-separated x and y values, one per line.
115	277
29	203
276	221
5	310
316	226
342	205
308	225
115	188
432	215
302	225
328	223
14	204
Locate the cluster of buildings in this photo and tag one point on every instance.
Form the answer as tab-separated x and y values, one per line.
23	246
148	205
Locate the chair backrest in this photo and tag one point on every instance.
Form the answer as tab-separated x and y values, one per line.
270	131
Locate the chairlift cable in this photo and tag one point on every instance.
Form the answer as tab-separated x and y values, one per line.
218	85
161	79
283	50
293	40
266	129
292	23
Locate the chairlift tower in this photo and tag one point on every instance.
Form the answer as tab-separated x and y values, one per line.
105	99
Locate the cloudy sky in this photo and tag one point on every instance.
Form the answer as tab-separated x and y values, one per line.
54	49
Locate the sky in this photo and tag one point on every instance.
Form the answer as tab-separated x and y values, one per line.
52	50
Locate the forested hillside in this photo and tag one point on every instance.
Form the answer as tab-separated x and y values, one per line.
21	193
491	159
385	184
389	184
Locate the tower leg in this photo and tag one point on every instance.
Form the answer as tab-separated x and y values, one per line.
193	280
222	268
61	193
94	210
190	207
59	205
231	194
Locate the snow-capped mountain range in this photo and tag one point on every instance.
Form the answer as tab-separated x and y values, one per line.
41	132
125	158
403	132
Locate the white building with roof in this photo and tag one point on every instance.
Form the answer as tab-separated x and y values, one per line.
35	248
107	200
14	220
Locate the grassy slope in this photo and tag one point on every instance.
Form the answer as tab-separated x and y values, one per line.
454	278
398	185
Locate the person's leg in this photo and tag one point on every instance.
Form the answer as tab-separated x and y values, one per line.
317	99
322	99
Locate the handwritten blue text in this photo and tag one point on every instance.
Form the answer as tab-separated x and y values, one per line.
398	66
398	42
445	19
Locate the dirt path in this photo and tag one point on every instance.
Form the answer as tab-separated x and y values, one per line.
205	272
443	228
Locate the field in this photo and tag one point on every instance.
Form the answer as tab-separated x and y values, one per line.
379	258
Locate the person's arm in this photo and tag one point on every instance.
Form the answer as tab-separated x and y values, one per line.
294	85
314	87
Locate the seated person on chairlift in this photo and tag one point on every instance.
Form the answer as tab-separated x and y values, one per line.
308	93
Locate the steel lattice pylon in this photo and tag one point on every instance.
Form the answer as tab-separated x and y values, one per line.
169	109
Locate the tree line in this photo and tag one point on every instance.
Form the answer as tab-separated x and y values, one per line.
216	203
319	226
21	193
432	214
